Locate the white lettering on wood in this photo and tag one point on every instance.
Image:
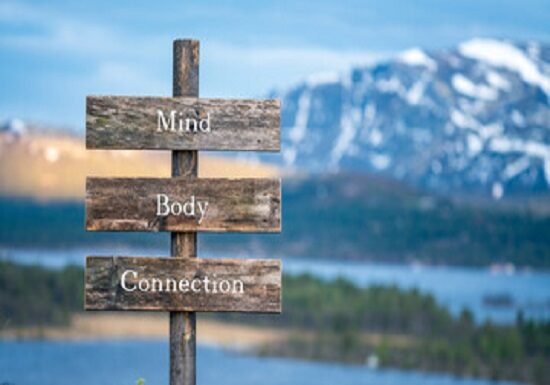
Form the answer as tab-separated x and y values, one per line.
191	207
174	121
123	280
171	285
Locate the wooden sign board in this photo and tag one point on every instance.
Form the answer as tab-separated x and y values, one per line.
183	284
161	123
183	204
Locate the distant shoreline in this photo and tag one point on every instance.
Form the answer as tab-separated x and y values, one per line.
118	326
38	255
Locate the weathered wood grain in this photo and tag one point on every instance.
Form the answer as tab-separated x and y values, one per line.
121	122
234	205
261	284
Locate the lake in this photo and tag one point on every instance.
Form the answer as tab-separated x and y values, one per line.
123	362
454	287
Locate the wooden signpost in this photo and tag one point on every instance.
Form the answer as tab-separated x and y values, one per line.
120	122
143	283
183	205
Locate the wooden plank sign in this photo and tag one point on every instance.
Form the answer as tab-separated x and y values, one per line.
161	123
183	284
183	204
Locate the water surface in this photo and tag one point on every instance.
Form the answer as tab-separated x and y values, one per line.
123	362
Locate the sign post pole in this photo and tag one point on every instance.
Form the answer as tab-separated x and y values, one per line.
184	245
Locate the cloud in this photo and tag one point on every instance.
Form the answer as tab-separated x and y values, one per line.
290	56
265	67
51	32
121	77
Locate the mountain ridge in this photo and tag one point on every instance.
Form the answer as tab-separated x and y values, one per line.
474	118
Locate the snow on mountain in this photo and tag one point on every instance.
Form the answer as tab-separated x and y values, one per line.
417	57
505	55
474	118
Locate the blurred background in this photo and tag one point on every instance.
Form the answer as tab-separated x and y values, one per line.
416	188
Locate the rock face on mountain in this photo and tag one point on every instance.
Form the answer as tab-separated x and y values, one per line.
472	119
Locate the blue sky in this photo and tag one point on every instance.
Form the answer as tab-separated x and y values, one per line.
54	53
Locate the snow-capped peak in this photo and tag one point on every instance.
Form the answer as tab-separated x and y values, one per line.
417	57
505	55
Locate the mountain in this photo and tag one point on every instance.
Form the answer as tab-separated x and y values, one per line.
472	119
49	163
